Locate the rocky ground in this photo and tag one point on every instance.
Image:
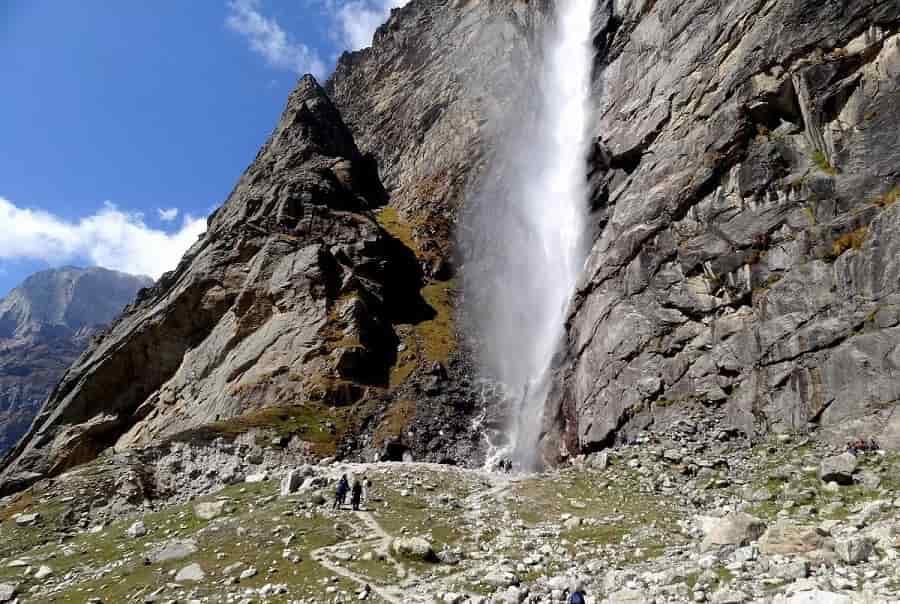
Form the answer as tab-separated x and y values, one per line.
695	516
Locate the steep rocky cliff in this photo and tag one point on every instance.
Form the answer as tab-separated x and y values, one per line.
45	323
287	301
745	175
743	183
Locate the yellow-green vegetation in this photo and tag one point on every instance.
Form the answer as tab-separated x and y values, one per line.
821	160
250	534
811	213
14	538
768	283
319	425
852	240
437	335
889	198
609	515
407	359
430	341
408	509
391	221
20	503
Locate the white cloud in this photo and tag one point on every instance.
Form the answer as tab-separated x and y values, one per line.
268	39
167	215
110	238
357	20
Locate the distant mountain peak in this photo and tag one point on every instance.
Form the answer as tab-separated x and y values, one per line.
68	297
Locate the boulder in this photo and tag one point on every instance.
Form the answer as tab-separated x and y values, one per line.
736	528
627	596
414	548
208	510
175	549
7	592
136	530
500	577
28	519
855	549
838	468
728	596
786	538
190	573
599	461
290	483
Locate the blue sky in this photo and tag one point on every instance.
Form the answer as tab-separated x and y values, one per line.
123	124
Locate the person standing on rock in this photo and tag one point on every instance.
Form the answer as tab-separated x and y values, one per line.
341	494
356	494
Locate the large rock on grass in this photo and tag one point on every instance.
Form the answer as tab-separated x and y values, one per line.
414	548
786	538
736	528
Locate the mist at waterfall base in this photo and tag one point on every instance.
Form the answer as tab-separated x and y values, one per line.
522	236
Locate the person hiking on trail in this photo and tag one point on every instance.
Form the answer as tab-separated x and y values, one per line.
356	495
367	490
577	596
341	493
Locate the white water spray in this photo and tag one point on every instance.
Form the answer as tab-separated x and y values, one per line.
529	231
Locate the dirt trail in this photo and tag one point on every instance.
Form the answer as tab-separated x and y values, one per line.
479	507
391	594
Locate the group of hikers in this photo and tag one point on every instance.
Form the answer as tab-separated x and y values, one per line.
359	492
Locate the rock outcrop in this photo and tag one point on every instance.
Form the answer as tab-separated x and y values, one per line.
45	323
744	176
287	301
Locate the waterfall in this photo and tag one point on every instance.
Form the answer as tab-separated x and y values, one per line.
526	231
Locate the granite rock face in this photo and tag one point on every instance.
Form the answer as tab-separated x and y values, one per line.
45	323
744	177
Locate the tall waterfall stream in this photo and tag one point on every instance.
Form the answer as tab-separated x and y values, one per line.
532	239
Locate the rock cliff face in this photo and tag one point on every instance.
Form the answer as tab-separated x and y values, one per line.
743	185
45	323
745	176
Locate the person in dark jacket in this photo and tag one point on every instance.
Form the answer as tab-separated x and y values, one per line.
340	494
577	596
356	494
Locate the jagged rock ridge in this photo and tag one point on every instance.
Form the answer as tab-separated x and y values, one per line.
288	298
45	323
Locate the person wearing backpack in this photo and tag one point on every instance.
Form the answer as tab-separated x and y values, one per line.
578	595
341	493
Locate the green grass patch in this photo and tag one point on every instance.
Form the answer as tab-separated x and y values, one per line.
821	160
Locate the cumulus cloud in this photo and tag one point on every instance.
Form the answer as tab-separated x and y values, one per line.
109	238
267	38
167	215
357	20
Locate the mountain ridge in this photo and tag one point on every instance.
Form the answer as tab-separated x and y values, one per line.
45	323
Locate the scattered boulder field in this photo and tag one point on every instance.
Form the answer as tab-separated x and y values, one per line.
697	515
